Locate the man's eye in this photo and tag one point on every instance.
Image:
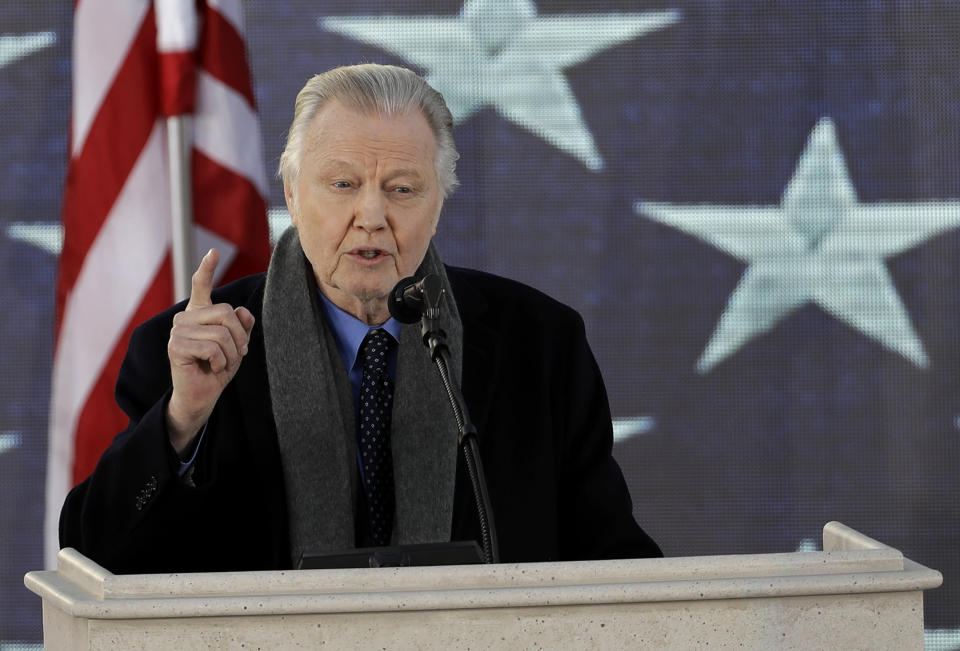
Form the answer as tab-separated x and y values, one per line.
402	189
341	184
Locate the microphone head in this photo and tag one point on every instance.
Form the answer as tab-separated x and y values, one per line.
399	306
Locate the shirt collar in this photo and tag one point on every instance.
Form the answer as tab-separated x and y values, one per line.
349	331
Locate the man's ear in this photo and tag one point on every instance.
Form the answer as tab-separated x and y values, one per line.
436	219
291	200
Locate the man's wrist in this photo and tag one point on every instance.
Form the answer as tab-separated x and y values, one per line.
182	431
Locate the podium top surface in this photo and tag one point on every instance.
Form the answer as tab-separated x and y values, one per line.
850	563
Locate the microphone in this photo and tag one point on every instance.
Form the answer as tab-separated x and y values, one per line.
412	300
409	301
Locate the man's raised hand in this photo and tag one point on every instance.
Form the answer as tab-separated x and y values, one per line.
207	344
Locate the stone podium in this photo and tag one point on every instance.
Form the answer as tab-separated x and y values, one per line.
857	593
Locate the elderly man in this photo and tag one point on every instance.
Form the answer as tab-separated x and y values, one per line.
287	412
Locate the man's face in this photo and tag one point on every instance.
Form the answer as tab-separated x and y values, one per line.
366	204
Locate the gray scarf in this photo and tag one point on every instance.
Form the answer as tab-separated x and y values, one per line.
314	414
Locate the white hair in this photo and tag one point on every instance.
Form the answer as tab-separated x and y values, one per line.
373	88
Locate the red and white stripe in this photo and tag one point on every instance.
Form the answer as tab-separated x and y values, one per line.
130	63
177	33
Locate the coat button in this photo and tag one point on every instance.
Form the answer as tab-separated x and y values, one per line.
146	493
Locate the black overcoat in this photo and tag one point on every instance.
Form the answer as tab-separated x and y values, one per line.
533	391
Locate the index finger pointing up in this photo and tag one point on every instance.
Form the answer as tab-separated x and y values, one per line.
202	281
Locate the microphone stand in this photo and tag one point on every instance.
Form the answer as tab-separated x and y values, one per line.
434	338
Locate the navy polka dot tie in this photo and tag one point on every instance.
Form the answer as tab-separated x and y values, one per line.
376	403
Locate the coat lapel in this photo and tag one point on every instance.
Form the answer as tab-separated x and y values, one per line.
481	350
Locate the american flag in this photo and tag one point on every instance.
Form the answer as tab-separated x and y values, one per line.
135	63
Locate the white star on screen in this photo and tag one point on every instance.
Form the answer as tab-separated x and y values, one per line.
14	47
819	245
499	53
10	441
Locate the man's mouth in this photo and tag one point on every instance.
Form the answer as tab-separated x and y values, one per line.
369	254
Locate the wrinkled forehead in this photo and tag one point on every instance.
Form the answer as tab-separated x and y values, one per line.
341	131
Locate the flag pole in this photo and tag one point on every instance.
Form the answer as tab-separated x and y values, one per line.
177	33
179	145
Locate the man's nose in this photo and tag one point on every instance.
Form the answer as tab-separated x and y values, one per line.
370	212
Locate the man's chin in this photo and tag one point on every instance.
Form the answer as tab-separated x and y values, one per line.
367	290
368	294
